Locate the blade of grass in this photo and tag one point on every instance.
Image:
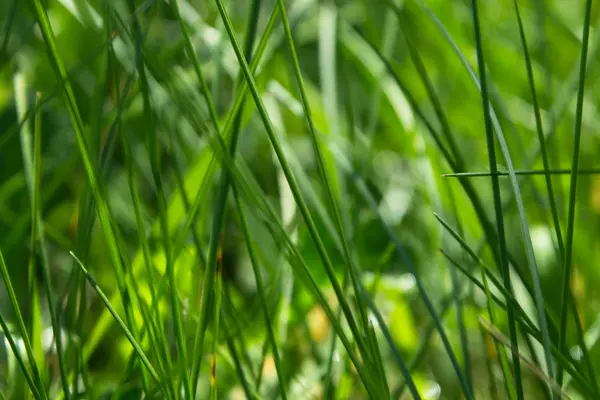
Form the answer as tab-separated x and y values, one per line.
17	353
532	367
118	319
36	312
33	349
459	306
35	383
573	187
260	289
497	201
10	17
527	172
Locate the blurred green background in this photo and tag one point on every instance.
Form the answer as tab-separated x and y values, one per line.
363	65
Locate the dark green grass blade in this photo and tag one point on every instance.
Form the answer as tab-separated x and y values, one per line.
527	172
573	187
8	25
497	201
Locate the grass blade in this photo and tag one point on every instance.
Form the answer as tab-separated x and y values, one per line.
118	319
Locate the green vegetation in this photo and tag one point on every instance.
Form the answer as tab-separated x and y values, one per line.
299	199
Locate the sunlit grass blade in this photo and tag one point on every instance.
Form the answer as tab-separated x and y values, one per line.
31	163
532	367
118	319
33	170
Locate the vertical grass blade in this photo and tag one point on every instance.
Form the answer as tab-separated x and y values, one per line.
573	187
497	201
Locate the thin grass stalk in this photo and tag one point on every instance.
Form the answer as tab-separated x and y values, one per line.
30	158
36	312
260	289
462	331
48	287
497	201
573	188
38	392
126	331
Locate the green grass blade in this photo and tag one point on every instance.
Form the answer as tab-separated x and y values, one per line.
34	352
261	292
527	172
573	186
118	319
35	385
497	201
